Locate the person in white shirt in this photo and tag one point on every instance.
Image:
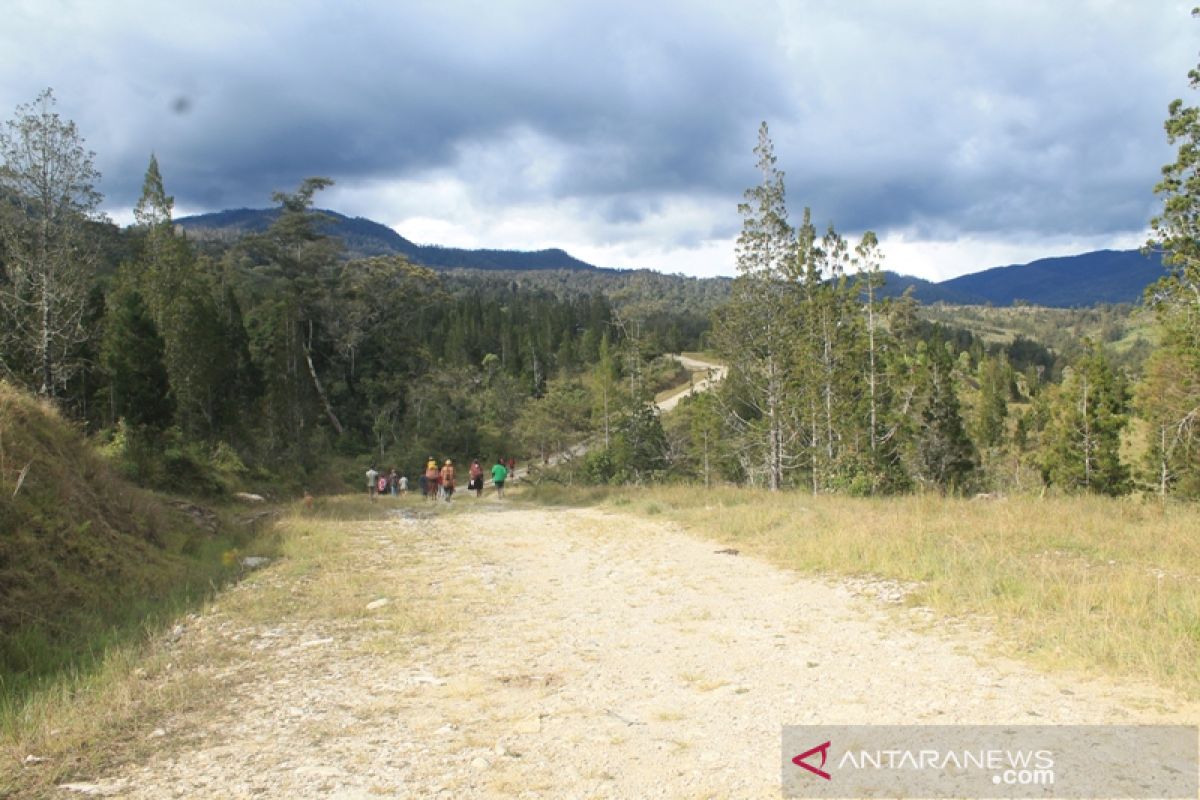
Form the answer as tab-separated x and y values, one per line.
372	477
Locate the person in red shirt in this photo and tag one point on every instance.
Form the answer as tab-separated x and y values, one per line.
476	478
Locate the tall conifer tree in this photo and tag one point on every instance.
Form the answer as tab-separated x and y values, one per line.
1171	398
754	328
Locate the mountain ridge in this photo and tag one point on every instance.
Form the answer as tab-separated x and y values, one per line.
1085	279
364	238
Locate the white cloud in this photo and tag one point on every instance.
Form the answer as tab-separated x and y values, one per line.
671	235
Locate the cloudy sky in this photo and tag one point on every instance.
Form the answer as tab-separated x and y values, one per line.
967	134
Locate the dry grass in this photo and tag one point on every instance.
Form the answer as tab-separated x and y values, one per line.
1111	586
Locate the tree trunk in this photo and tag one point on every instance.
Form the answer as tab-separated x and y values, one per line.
312	370
47	389
1162	459
1087	439
871	372
774	433
813	449
606	414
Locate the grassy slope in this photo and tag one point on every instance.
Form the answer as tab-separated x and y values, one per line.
85	557
1061	329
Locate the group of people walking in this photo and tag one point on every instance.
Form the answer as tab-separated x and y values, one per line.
439	482
391	483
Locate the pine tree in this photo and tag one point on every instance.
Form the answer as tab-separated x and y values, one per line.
995	378
1172	405
754	329
945	457
290	338
606	392
840	350
1083	437
240	384
181	297
557	421
640	446
154	207
882	463
132	356
705	430
1167	398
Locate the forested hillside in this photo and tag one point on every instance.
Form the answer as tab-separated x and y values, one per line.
1105	276
274	357
835	387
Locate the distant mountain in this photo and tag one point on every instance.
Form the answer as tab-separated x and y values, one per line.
1104	276
364	238
927	292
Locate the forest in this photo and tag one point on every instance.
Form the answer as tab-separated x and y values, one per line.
278	361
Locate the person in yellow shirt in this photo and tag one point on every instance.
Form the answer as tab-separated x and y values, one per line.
433	480
447	476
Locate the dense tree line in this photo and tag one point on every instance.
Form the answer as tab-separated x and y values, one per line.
830	388
674	310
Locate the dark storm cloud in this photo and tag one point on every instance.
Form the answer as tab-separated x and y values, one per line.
935	118
988	118
650	101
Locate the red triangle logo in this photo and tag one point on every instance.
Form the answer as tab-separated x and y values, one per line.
823	749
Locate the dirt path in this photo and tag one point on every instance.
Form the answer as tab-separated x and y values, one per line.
597	655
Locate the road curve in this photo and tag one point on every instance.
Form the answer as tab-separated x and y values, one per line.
715	373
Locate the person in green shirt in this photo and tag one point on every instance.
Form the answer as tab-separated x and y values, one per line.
499	475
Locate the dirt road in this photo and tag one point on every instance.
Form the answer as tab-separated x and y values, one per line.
713	374
594	655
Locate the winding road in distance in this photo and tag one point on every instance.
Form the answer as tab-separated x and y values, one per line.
714	374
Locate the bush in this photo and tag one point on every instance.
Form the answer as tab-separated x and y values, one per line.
168	461
598	467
